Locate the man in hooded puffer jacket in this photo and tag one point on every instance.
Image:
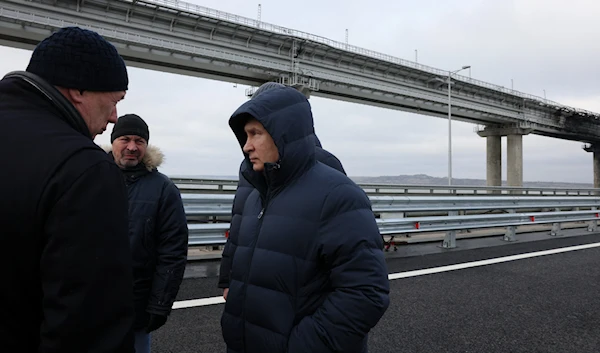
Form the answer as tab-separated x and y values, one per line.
243	190
308	273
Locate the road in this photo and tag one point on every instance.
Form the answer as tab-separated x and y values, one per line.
539	302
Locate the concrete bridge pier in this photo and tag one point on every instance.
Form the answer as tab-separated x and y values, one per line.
494	160
514	159
595	149
514	139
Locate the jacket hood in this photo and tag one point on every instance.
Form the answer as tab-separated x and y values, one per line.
286	115
153	159
317	141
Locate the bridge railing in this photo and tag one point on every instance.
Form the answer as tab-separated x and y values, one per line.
392	212
228	186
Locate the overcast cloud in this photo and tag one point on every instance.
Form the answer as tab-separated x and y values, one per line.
541	45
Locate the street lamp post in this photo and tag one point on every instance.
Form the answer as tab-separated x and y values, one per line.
450	121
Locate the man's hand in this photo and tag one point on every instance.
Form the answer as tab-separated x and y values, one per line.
225	292
155	322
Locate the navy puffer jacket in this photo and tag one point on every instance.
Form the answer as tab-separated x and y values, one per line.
244	189
309	273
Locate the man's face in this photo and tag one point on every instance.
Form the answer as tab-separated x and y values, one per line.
259	146
129	150
97	108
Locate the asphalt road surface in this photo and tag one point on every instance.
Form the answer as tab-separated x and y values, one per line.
537	302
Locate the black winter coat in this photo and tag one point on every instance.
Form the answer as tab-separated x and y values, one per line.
308	274
241	194
158	235
65	257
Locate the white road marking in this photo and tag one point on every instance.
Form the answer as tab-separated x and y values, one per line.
392	276
198	302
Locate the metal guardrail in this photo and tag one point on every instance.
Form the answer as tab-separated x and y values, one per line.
396	207
214	234
450	224
220	205
439	224
474	190
207	185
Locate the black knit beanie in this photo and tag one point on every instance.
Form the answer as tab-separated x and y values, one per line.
80	59
130	124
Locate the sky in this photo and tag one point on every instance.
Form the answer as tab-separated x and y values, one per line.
541	45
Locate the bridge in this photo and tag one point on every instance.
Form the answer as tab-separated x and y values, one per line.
182	38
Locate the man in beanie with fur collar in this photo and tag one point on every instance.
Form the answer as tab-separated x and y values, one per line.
67	277
158	231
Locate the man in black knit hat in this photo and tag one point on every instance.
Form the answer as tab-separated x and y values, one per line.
65	251
158	231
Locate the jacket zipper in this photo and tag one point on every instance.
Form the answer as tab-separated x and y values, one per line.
265	204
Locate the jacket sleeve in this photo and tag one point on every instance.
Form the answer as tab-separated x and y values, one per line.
171	246
226	260
243	190
231	244
85	265
351	250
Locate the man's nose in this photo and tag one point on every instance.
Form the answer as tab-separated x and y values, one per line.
113	116
247	147
132	146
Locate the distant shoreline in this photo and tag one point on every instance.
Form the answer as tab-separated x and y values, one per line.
418	179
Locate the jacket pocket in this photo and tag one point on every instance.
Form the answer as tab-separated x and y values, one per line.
148	241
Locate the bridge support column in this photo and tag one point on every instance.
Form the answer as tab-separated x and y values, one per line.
514	154
514	160
595	149
493	159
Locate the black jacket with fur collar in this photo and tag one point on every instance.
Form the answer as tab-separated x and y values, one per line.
158	236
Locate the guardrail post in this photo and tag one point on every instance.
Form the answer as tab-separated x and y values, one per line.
391	215
450	237
555	226
510	230
593	225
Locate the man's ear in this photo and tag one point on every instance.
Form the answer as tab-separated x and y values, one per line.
77	95
73	95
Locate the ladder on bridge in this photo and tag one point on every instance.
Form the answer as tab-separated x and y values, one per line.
296	77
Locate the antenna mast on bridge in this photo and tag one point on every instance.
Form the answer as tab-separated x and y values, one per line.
258	16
